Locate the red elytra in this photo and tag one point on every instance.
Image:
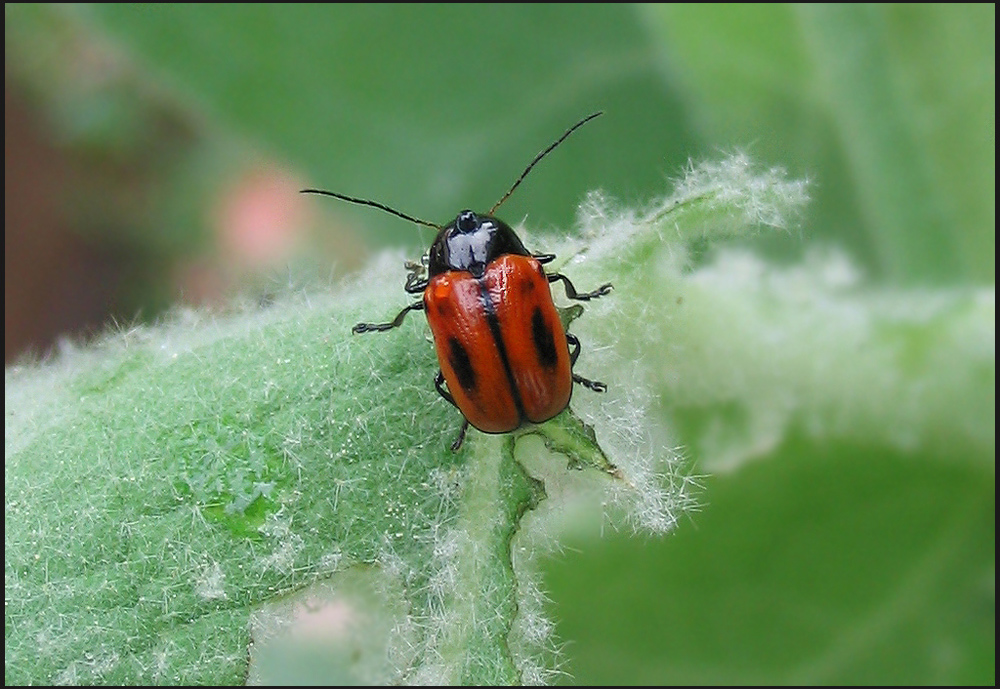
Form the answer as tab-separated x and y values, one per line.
501	346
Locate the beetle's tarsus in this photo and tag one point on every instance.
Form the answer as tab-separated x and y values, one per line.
461	436
571	292
595	385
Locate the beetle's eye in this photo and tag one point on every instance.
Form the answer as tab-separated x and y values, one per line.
467	221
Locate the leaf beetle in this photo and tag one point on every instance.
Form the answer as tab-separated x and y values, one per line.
504	356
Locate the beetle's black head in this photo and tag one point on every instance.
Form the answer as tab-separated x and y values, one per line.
470	242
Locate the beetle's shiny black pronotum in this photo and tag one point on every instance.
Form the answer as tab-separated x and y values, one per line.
505	357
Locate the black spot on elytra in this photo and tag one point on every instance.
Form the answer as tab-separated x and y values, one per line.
459	360
545	345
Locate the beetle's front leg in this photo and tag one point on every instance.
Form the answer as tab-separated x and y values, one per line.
415	284
395	323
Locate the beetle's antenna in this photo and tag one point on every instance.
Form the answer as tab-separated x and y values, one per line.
373	204
541	155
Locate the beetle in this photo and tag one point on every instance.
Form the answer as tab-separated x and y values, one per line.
505	358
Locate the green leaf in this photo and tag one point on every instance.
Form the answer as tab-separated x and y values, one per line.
889	109
167	491
164	486
859	565
182	477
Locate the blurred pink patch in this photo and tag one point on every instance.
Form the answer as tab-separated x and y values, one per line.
323	620
260	220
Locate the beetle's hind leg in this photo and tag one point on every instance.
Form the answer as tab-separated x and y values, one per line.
461	436
571	292
394	323
439	386
574	354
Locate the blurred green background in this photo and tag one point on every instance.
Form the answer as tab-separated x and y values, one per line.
153	154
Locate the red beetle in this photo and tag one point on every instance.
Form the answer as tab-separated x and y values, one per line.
504	355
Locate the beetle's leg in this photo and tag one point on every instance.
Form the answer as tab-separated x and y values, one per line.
461	435
571	292
439	384
570	289
415	284
574	348
574	353
395	323
595	385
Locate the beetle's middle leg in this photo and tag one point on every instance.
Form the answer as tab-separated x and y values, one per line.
571	292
